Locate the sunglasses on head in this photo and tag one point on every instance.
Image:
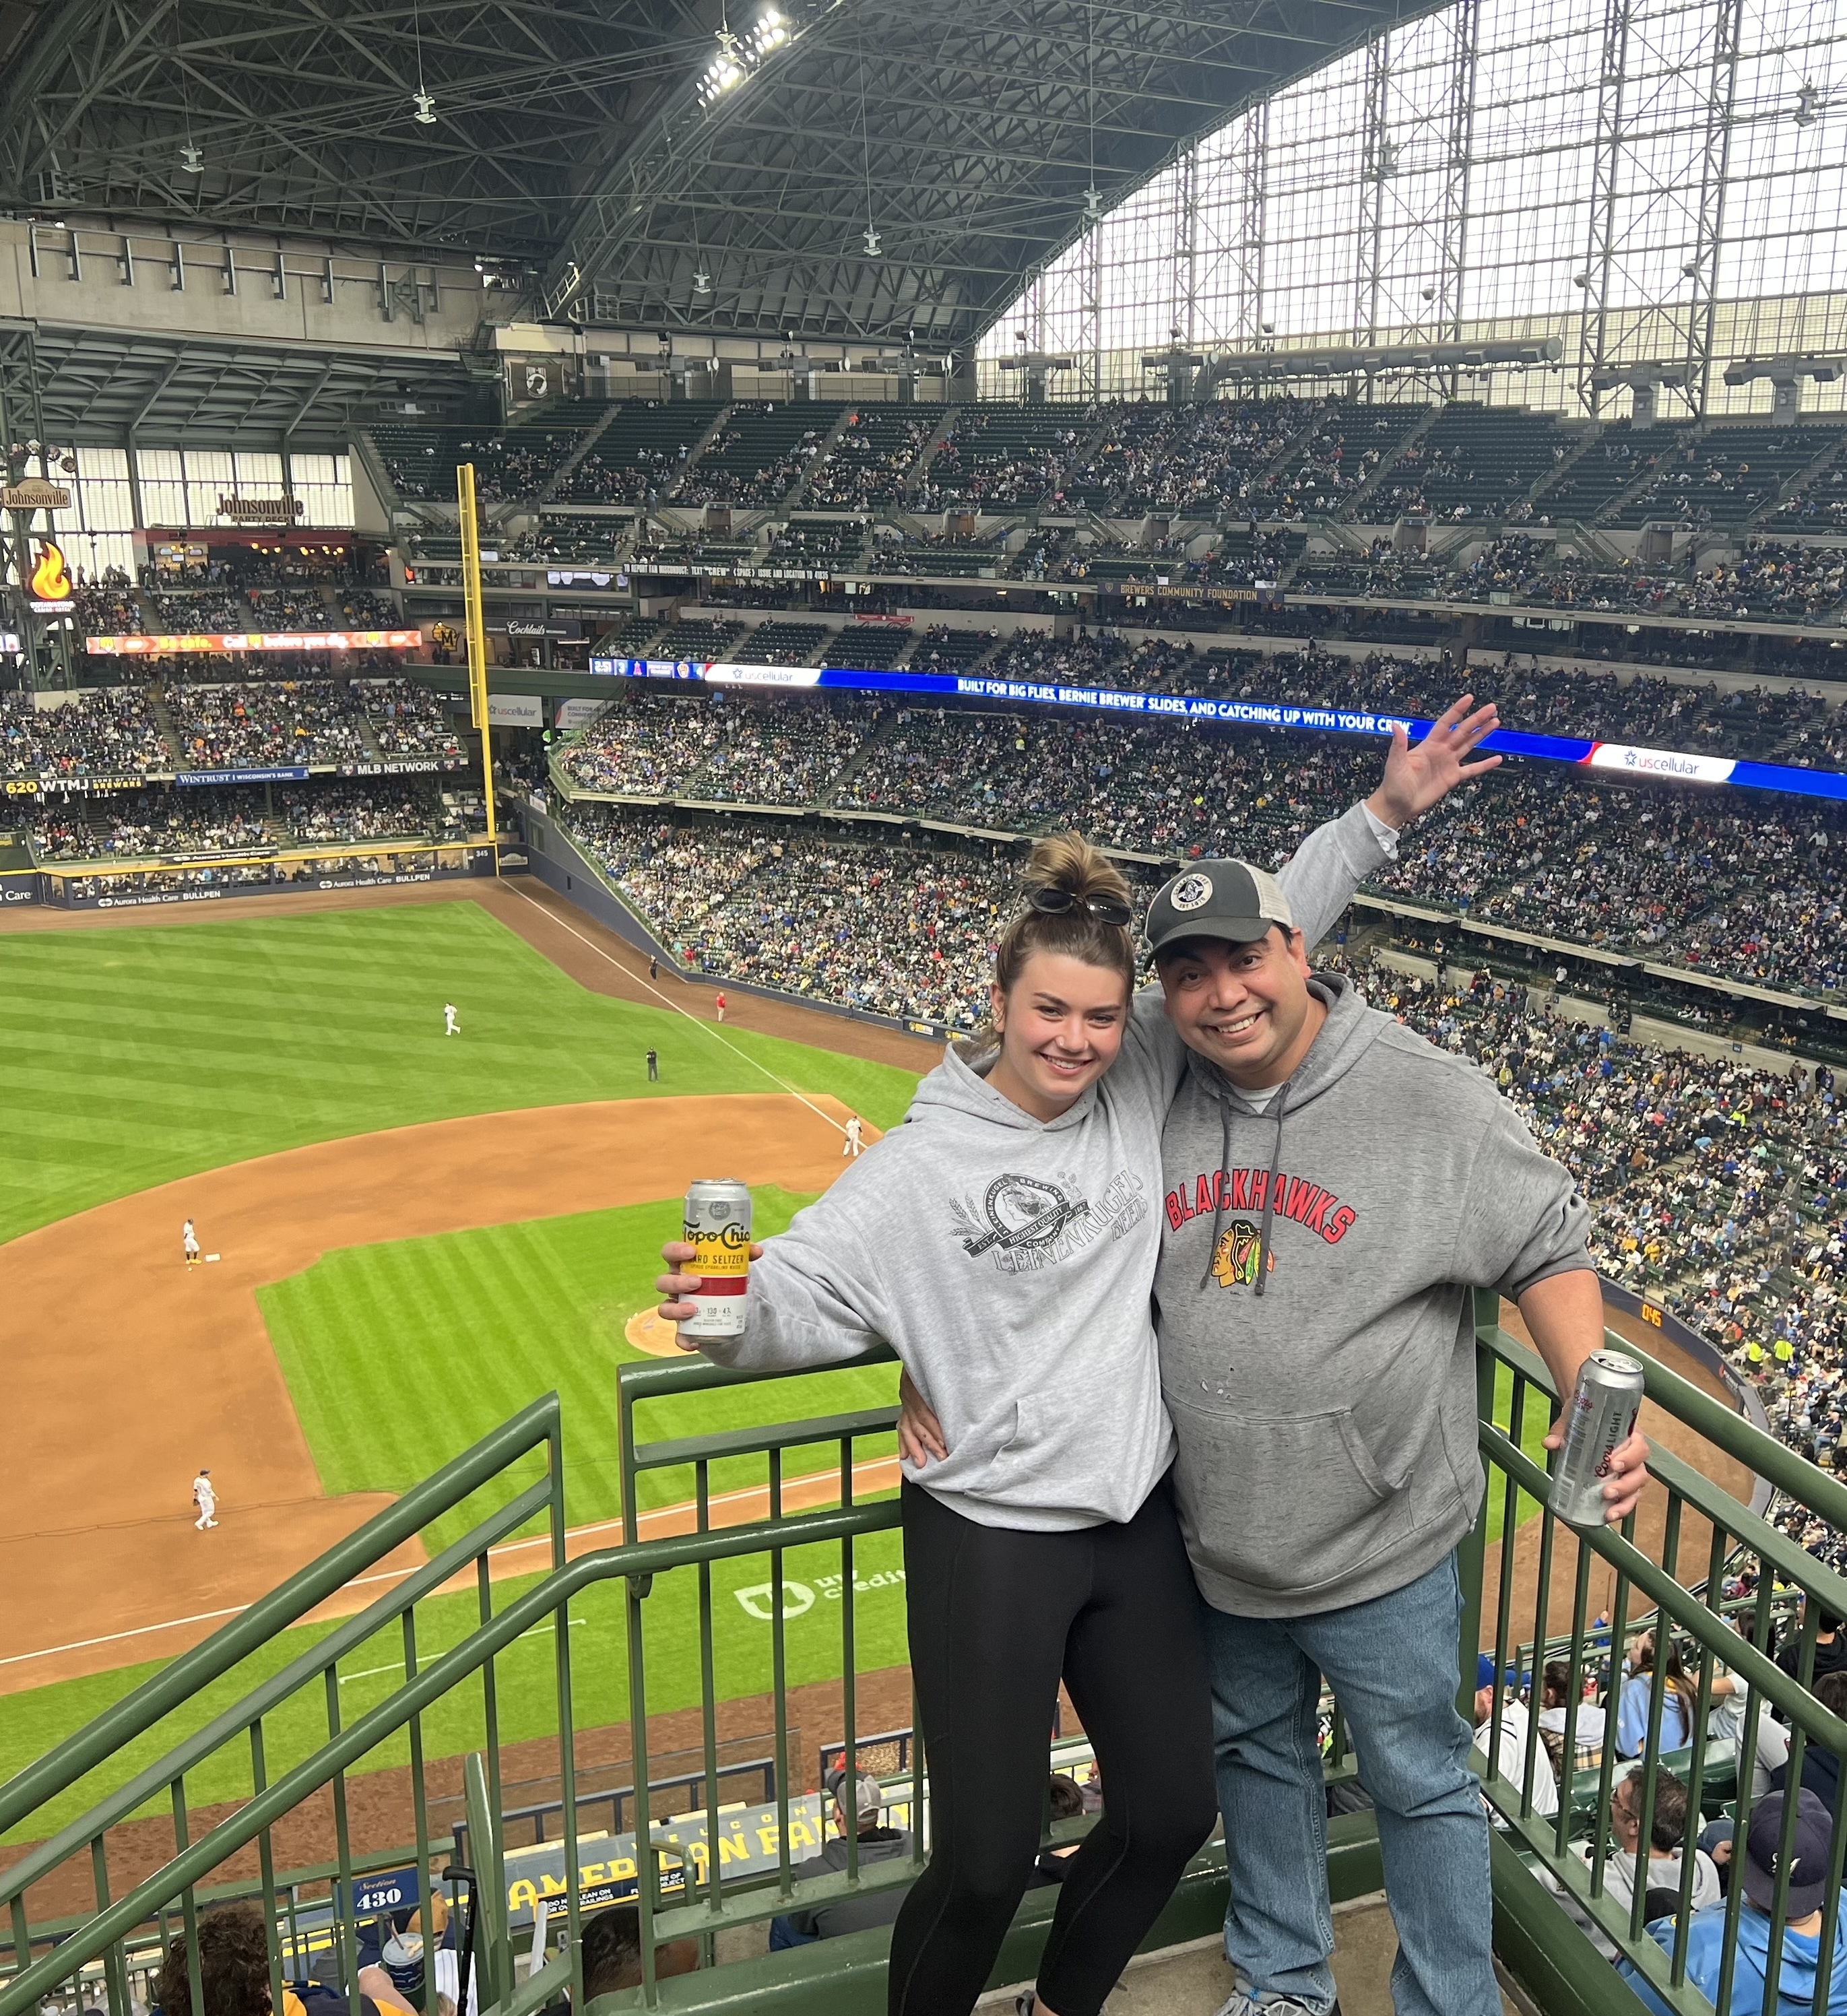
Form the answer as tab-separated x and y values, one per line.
1060	902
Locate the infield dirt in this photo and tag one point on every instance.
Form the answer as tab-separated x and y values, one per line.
127	1369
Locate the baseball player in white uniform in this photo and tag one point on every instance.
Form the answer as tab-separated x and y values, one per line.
851	1146
189	1244
451	1027
207	1500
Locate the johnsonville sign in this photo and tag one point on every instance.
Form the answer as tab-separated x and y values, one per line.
261	511
35	494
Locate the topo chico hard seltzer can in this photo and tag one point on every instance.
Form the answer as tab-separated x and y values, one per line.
718	1230
1600	1419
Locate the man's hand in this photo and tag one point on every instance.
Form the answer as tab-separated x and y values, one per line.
1628	1472
1416	779
1564	1316
920	1433
676	1288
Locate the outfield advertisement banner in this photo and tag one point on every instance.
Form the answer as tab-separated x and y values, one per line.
69	888
139	646
281	774
748	1846
1623	758
73	784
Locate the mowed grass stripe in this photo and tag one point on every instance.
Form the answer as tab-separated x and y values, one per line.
36	1720
136	1057
399	1355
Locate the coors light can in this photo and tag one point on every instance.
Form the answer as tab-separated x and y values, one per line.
1600	1419
718	1230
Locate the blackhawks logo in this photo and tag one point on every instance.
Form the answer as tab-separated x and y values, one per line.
1234	1258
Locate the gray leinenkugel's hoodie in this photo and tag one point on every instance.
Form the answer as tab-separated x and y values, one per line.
1326	1426
1008	1262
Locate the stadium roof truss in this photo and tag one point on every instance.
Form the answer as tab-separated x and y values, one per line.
839	169
71	384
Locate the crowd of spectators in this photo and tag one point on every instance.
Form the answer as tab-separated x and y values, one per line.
648	745
230	818
1335	457
808	542
1802	583
203	610
871	458
109	733
409	720
249	725
106	607
1083	658
938	553
297	608
783	756
363	609
1004	458
1750	888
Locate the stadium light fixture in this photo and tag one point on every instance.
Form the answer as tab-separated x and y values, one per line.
424	114
192	161
702	283
874	248
740	54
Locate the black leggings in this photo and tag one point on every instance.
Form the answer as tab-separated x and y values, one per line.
996	1615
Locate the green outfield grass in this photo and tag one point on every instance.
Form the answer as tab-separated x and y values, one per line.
401	1355
32	1722
138	1056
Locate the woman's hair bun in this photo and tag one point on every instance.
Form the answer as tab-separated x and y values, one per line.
1067	861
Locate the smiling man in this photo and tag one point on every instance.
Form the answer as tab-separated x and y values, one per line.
1334	1186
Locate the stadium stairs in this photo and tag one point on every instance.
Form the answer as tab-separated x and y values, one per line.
1355	504
1798	484
592	435
1534	499
799	489
510	1487
927	453
696	450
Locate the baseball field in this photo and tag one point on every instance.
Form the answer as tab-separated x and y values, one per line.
409	1236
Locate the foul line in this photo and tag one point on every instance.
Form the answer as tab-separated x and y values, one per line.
876	1472
603	953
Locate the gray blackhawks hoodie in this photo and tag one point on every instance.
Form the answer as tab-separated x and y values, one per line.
1008	1260
1326	1425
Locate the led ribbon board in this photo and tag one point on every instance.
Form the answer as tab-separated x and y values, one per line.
139	646
1622	758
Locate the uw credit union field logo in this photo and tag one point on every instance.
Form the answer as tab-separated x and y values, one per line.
758	1598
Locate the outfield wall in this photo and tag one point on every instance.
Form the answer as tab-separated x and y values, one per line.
66	890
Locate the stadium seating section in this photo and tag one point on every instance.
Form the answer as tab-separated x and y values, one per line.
758	455
872	456
641	453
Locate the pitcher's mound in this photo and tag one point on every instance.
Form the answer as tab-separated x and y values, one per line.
648	1331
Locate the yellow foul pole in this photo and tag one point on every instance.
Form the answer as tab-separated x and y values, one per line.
476	626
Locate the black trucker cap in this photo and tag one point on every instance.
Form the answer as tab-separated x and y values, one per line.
1232	900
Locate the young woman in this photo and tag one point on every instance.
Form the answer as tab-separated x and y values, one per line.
1679	1700
1003	1241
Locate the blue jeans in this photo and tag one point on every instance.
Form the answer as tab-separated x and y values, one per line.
1392	1664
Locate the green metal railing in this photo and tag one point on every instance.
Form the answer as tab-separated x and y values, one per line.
1730	1653
1539	1589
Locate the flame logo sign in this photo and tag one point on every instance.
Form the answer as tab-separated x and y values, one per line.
51	578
